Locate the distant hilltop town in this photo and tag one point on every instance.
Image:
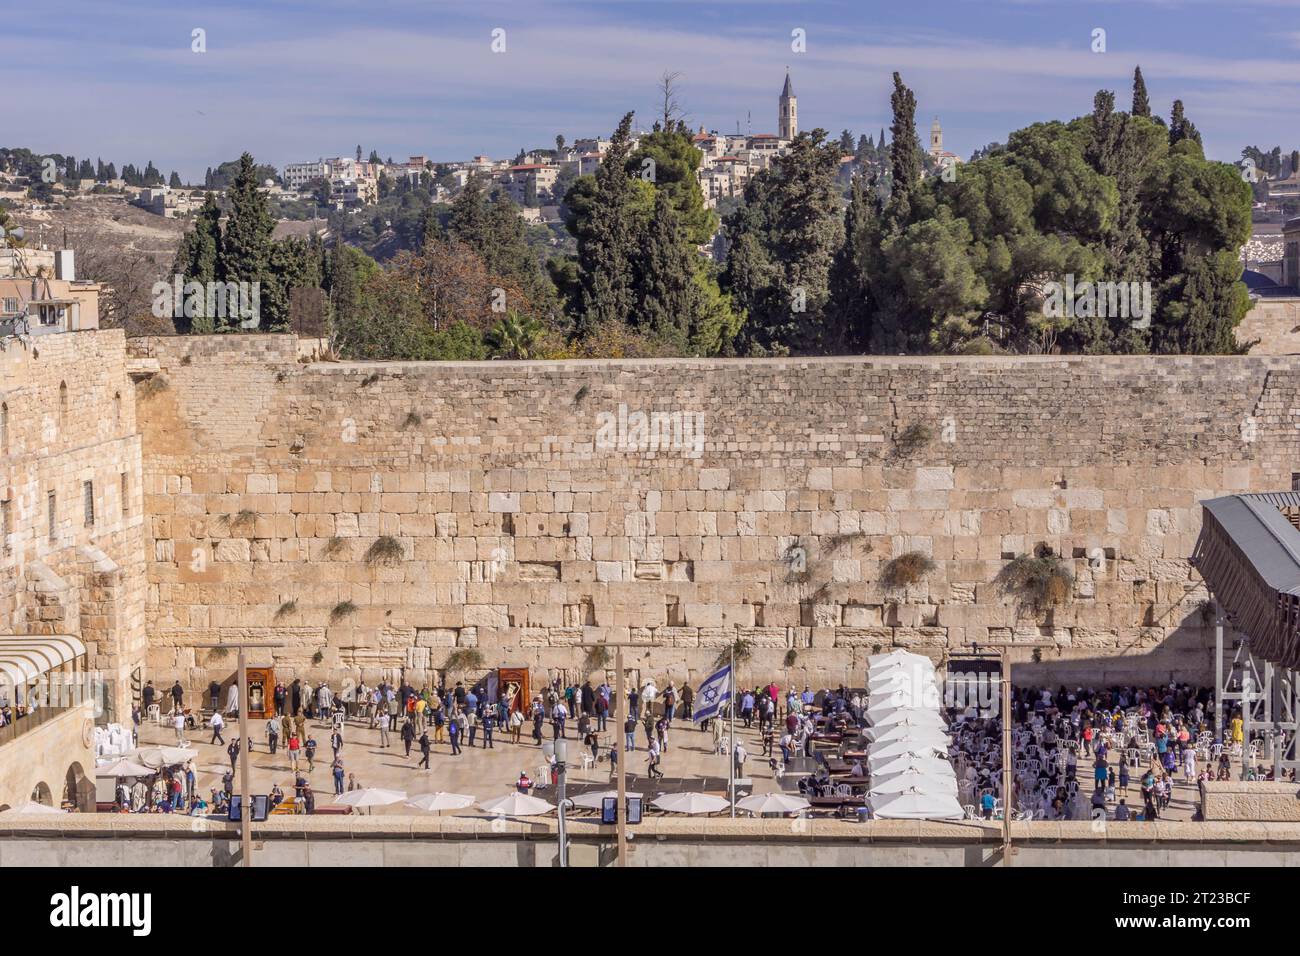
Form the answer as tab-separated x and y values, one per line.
534	180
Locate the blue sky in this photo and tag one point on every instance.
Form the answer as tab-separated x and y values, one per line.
294	80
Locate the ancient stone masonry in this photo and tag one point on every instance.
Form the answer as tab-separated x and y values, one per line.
72	555
380	517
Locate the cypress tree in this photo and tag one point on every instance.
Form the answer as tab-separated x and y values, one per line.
246	246
197	260
1141	105
904	153
666	267
606	253
1180	127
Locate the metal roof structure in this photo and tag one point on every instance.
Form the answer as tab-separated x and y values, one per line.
24	658
1248	553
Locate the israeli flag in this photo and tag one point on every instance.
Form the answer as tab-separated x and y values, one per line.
714	692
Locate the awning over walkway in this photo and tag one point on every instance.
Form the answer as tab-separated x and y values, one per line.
24	658
1248	553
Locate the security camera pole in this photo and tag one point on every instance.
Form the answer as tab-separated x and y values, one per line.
245	799
620	738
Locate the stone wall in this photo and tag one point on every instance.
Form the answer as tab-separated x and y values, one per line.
68	430
375	517
1273	325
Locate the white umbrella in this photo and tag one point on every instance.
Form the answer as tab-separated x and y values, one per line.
690	803
596	801
772	803
440	801
123	767
913	781
516	805
917	806
891	766
34	809
911	716
370	797
912	699
902	748
164	756
895	657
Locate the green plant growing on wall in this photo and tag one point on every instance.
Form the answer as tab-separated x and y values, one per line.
341	610
153	385
742	649
790	657
218	654
906	570
836	541
285	609
318	657
1041	577
596	659
386	551
581	394
912	439
370	379
463	659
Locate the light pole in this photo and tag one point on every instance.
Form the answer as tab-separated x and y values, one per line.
559	750
245	798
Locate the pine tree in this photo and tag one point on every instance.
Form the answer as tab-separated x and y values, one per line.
175	181
246	246
846	142
469	216
855	262
1141	105
1180	127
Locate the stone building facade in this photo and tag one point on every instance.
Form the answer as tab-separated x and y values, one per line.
72	548
386	518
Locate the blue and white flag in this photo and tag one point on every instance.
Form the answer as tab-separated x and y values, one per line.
714	692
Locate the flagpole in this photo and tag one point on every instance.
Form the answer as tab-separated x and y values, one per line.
731	751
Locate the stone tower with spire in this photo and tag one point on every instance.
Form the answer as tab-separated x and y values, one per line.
788	123
936	137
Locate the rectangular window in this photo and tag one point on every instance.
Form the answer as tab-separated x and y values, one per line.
88	496
52	511
6	526
126	496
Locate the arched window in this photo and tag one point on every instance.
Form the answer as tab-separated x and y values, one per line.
63	408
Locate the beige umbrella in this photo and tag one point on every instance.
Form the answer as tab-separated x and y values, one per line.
690	803
164	756
595	801
370	797
772	803
440	801
516	805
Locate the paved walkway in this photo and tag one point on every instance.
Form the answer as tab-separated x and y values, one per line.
481	772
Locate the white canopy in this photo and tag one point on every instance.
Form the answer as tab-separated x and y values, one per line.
932	736
895	657
163	756
907	716
916	806
370	797
516	805
24	658
902	748
690	803
891	766
913	781
440	801
124	768
772	803
32	809
918	700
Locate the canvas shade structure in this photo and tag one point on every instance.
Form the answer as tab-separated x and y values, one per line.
124	767
921	735
772	803
516	805
902	748
440	801
881	711
895	657
370	797
916	806
690	803
32	809
163	756
595	801
912	780
906	717
891	766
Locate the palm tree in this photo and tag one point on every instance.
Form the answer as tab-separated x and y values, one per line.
514	337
